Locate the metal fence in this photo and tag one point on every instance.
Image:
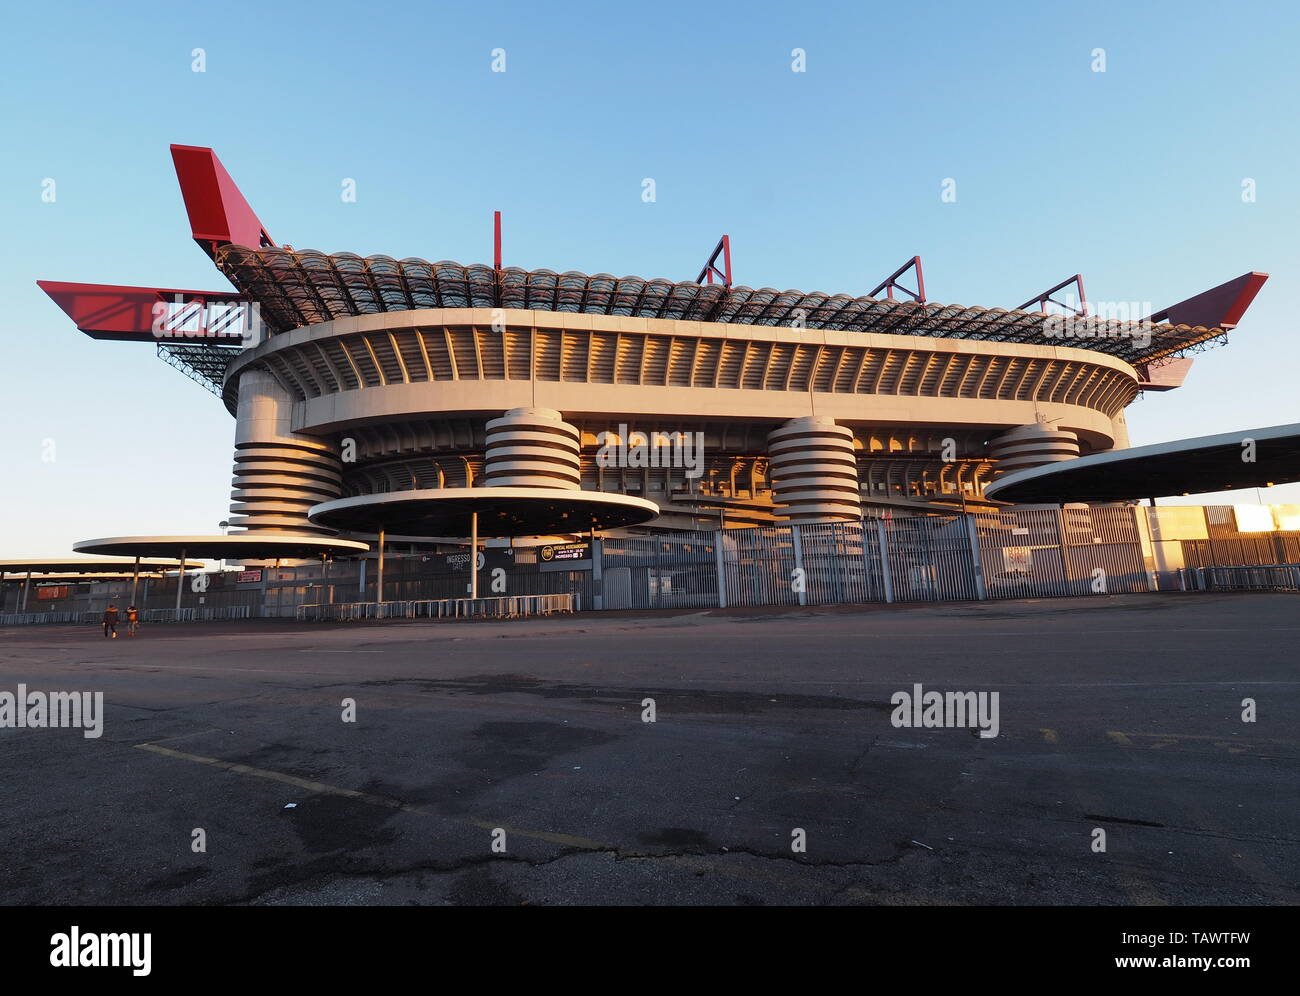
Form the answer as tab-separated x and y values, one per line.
1046	553
678	571
36	618
1269	577
1015	554
1010	553
447	608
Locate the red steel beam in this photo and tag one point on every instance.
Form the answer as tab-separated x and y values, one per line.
891	281
1042	299
133	314
219	214
1220	307
723	249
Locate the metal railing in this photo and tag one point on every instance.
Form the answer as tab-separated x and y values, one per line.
35	618
510	607
221	613
1269	577
191	614
167	615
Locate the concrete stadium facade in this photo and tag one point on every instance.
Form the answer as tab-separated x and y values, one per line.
412	391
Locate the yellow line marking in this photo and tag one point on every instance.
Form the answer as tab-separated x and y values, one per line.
307	785
1159	741
1049	736
1231	747
1214	738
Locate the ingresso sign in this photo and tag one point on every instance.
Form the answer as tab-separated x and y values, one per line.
565	551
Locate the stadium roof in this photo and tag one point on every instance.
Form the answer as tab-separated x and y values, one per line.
234	546
298	287
502	511
90	565
1185	466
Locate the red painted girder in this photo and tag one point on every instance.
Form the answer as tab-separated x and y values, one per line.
1220	307
219	214
125	314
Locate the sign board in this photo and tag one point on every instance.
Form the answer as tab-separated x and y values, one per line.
487	559
248	577
1288	517
52	591
1018	558
565	551
1253	518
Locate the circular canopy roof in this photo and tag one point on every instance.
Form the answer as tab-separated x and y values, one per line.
501	511
253	546
1186	466
71	566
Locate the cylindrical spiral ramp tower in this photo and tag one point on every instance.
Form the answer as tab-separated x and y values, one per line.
279	474
1032	446
814	471
532	448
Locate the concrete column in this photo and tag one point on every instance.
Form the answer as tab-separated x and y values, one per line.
532	448
279	474
721	558
597	572
1032	446
886	575
814	471
977	562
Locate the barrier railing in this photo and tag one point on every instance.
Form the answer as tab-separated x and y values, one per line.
219	613
511	607
167	615
1270	577
36	618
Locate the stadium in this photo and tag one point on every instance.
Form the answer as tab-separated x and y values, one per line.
811	405
381	401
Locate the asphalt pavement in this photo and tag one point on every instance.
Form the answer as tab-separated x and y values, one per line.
513	763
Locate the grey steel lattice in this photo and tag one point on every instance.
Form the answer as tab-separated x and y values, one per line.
203	362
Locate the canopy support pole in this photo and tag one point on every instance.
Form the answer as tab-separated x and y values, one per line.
180	583
473	555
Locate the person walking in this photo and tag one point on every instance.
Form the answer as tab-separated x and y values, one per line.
110	622
132	620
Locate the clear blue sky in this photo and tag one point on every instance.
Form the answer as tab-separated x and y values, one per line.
825	180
